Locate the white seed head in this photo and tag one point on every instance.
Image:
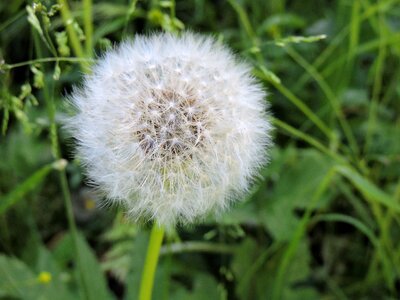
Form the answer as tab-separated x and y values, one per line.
171	127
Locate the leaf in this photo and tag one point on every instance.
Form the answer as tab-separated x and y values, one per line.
21	190
354	99
93	277
165	4
243	260
117	259
138	257
296	179
34	21
17	280
259	268
388	266
369	190
59	280
286	20
267	75
298	274
204	287
62	251
298	234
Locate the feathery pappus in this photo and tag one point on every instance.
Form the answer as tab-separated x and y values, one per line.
172	127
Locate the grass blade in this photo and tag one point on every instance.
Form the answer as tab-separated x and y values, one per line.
28	185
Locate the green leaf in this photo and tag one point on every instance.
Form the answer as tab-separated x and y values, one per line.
297	176
93	277
242	264
369	190
388	266
254	269
266	74
165	4
24	188
62	251
34	21
138	256
204	287
59	280
17	280
281	277
117	259
286	20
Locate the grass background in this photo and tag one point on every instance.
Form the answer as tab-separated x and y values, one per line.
321	223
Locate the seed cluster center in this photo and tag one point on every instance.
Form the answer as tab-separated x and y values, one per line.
172	125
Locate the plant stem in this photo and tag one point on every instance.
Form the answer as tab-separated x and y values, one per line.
68	21
150	265
131	10
56	152
197	247
330	95
45	60
88	26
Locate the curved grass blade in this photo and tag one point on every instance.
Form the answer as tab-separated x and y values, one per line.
28	185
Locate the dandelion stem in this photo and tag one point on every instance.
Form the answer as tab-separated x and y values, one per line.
150	265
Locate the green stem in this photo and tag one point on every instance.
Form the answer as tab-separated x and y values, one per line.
56	152
88	26
150	265
8	22
301	106
197	247
45	60
309	139
338	41
131	10
377	86
68	21
330	95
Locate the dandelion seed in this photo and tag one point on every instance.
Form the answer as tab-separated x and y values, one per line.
172	127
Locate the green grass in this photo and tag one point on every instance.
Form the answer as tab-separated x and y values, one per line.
323	220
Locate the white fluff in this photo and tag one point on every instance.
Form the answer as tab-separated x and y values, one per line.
171	127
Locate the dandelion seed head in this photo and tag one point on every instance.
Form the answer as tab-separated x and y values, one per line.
171	127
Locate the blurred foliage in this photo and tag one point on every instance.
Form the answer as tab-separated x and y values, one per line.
322	221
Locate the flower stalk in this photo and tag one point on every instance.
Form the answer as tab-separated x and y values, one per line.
150	265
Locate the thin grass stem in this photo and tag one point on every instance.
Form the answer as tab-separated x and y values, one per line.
68	21
88	26
51	110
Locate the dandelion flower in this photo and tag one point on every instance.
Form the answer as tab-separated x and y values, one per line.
171	127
